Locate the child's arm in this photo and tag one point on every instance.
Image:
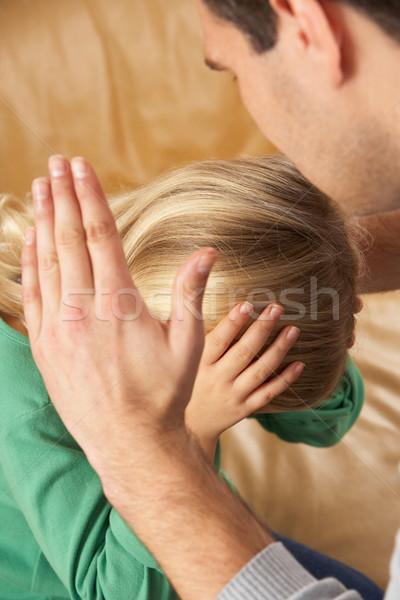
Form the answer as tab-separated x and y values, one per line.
230	385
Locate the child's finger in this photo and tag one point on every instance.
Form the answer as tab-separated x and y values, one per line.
258	401
220	338
252	341
30	285
258	372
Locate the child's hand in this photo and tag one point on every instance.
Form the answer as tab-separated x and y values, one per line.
229	386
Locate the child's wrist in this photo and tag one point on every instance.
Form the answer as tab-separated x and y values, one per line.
206	441
208	444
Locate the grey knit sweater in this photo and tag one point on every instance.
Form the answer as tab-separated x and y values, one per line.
274	574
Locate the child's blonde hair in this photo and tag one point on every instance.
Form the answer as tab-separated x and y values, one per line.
279	240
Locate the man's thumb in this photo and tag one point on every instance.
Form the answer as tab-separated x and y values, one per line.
187	296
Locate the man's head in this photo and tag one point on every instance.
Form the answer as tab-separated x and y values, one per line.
258	20
321	79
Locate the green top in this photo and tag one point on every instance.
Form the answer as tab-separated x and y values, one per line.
59	537
325	424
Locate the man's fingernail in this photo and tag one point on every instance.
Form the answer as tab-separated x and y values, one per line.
293	334
276	312
79	167
30	236
40	189
57	165
206	262
299	368
246	308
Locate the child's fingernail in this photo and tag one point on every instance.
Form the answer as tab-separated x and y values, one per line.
30	236
57	165
79	167
293	334
246	308
276	312
299	368
206	262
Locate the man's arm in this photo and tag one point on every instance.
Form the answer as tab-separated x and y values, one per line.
382	252
204	537
200	532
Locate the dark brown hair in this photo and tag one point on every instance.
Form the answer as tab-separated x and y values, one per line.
258	21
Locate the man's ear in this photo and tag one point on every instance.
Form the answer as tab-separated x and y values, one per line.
315	31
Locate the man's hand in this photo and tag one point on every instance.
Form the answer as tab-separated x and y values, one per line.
99	349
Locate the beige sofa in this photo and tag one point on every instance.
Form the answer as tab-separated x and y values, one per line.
124	83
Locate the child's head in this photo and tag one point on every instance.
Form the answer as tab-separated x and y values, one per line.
279	240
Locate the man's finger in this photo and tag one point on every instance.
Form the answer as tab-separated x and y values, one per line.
31	296
73	256
109	266
48	267
186	317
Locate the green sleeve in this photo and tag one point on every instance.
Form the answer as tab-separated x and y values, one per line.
85	542
326	424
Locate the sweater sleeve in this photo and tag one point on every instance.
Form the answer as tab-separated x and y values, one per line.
274	574
326	424
393	592
86	543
